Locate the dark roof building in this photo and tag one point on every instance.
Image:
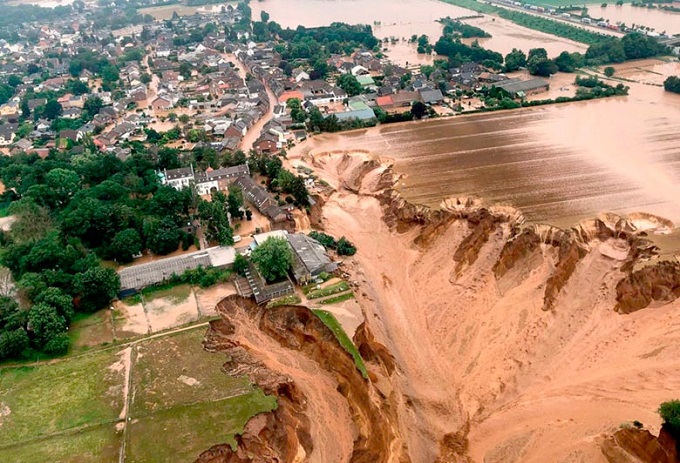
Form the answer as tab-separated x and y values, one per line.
519	88
431	96
310	258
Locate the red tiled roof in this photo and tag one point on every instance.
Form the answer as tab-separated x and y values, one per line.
384	100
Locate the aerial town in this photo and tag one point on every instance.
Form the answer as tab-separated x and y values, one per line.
320	231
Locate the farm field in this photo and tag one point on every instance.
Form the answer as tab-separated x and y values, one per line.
161	393
156	310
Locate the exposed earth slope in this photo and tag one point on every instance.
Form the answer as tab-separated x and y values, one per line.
510	342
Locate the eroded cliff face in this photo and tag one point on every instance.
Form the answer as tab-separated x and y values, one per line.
327	411
657	283
491	340
631	445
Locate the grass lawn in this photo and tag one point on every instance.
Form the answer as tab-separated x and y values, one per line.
175	370
174	292
55	397
331	322
182	404
89	330
99	444
337	299
332	289
180	434
292	299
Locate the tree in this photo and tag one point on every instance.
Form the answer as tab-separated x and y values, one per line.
145	78
125	245
538	63
418	109
264	16
45	323
14	80
184	118
13	343
273	258
55	297
240	265
350	84
345	247
296	112
609	71
162	236
96	287
514	60
670	414
52	109
568	62
235	202
110	73
672	84
63	184
93	105
537	53
185	70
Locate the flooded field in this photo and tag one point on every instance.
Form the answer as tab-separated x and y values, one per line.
166	11
403	18
657	19
558	164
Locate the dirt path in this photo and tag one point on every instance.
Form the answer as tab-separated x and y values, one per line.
129	357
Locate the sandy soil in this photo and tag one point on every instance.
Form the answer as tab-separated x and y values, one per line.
132	320
534	386
208	298
328	412
170	311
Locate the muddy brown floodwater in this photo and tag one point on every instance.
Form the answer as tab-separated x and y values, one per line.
403	18
557	164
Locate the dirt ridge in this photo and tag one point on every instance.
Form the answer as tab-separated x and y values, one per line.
306	348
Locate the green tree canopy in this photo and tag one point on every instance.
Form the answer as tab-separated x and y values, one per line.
350	84
672	84
125	245
273	258
96	287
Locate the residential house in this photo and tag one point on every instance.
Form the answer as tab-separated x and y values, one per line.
431	97
219	179
161	103
7	133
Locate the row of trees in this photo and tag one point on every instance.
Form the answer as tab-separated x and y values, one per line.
631	46
466	31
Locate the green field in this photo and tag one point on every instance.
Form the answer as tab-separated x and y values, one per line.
180	404
332	323
181	433
531	21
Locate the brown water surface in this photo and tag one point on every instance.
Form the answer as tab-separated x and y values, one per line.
558	164
655	18
403	18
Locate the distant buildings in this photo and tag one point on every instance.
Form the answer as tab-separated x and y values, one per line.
204	182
